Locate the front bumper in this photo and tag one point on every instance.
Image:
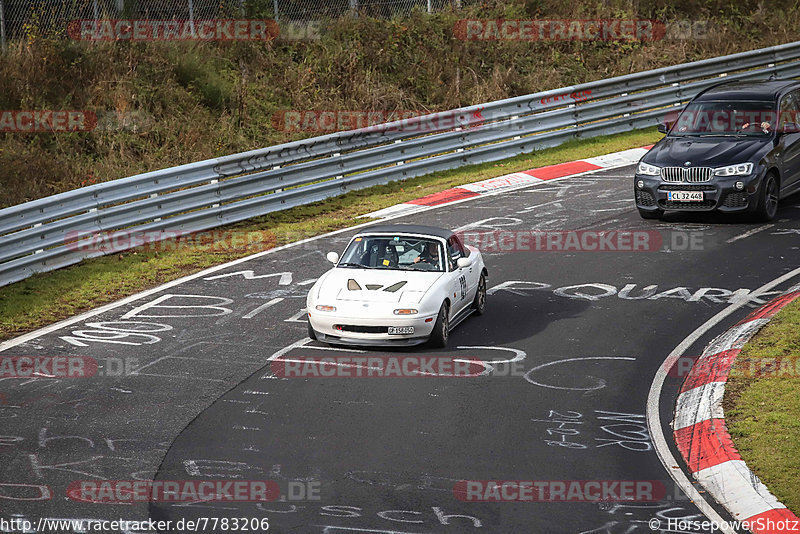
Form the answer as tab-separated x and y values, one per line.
719	194
333	327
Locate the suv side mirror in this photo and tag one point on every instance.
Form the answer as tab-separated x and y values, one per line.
333	257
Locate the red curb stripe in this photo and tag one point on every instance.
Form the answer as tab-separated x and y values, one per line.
713	368
768	310
648	147
705	444
775	521
448	195
562	169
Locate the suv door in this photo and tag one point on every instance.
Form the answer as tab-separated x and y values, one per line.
789	132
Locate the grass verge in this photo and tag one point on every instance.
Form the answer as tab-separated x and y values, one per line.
50	297
762	405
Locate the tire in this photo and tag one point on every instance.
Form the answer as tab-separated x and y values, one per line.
651	214
311	332
768	198
479	304
441	329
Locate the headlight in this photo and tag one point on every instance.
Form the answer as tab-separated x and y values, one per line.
648	170
742	169
322	307
406	311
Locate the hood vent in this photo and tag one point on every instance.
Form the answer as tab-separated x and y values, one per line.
394	287
352	285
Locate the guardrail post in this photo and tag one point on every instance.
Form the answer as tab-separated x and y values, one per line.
2	27
275	168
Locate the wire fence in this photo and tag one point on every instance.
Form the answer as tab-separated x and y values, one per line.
25	18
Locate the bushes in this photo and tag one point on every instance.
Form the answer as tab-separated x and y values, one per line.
200	100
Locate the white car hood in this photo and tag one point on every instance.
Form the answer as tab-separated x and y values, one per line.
335	286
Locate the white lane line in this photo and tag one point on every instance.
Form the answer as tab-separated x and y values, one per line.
262	308
654	416
330	529
749	233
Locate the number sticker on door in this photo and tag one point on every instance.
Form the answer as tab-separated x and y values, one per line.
463	281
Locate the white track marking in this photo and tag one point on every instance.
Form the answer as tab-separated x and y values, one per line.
548	364
750	232
330	529
211	270
654	416
285	278
262	308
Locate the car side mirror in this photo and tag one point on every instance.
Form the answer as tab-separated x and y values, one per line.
333	257
463	263
662	128
789	127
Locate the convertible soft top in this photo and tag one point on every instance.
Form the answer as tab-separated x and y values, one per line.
407	229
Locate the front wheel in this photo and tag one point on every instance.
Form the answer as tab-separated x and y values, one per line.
441	329
479	304
311	332
768	199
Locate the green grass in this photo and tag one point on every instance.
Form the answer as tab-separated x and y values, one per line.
763	412
50	297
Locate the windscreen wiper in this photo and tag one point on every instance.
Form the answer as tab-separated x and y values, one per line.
350	264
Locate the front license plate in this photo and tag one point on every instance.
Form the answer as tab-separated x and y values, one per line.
685	196
401	329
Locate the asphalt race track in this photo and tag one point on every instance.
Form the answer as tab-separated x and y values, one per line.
186	390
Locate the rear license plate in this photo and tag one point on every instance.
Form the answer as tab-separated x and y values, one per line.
401	329
685	196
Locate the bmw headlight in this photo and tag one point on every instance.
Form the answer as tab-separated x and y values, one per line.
648	170
742	169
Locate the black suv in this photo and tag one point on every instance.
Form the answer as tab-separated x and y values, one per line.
734	148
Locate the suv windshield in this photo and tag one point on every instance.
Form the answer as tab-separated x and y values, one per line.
393	252
726	117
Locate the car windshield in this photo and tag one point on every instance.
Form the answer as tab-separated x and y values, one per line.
394	253
726	118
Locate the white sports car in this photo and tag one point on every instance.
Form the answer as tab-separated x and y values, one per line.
397	284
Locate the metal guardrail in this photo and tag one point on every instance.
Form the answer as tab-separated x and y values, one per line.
46	234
